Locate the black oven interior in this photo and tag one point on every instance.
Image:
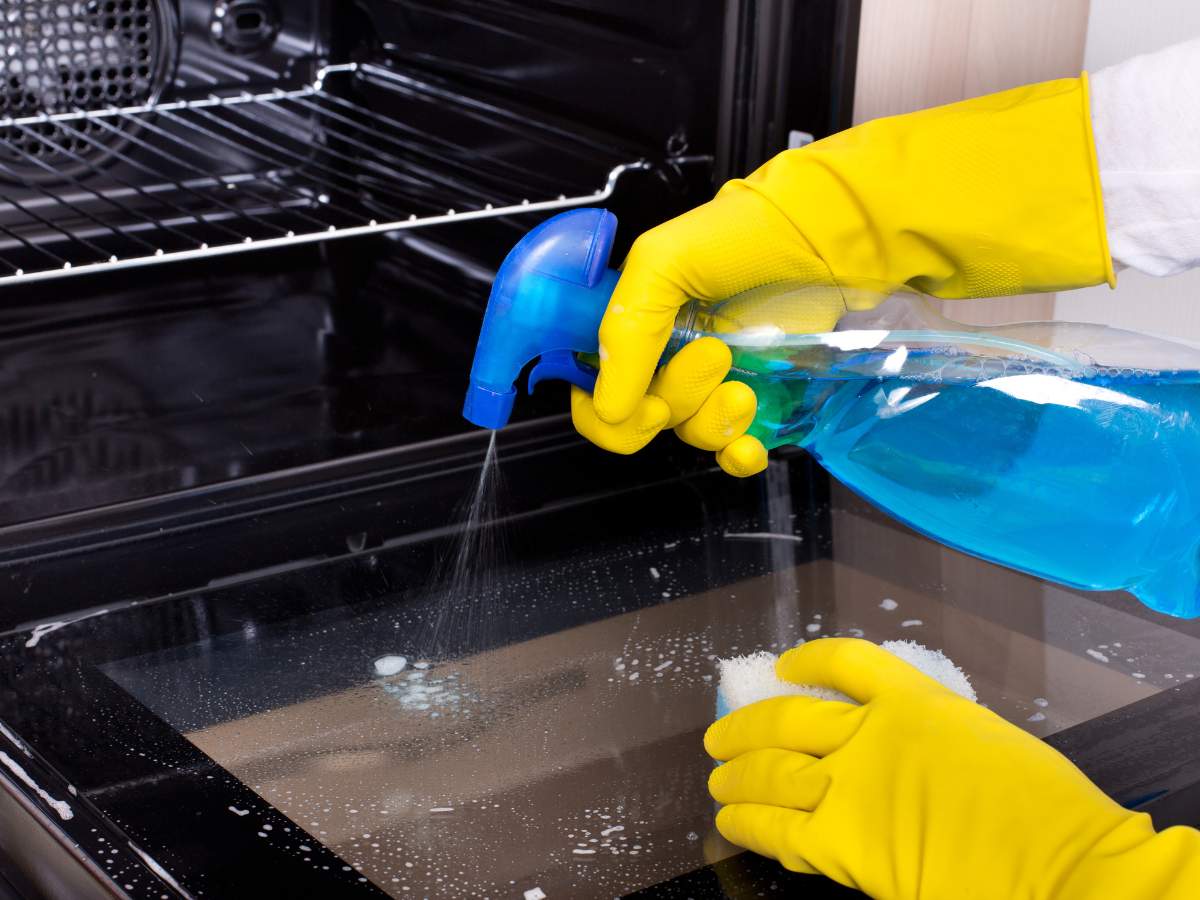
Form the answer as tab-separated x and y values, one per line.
212	210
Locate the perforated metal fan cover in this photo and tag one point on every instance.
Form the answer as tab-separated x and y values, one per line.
66	55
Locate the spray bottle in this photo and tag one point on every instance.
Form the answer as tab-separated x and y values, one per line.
1068	451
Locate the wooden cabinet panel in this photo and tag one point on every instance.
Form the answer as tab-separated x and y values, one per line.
918	53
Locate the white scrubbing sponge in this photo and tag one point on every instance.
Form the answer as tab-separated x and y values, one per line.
748	679
934	663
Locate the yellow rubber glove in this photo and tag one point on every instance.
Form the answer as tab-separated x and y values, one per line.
918	793
995	195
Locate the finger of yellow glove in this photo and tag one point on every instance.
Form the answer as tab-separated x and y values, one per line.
770	776
637	325
746	456
796	723
767	830
691	376
648	419
722	419
858	668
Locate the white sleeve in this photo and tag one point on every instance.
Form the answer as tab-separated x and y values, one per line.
1146	119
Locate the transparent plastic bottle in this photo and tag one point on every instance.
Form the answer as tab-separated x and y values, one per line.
1068	451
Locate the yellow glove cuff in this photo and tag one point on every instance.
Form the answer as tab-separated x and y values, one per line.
995	195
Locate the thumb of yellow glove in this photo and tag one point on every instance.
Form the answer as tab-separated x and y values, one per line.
918	793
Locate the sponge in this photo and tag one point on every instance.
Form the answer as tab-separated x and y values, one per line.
748	679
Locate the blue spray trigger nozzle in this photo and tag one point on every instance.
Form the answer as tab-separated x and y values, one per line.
488	409
546	304
563	366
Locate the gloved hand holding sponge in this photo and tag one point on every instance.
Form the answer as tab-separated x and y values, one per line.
991	196
920	794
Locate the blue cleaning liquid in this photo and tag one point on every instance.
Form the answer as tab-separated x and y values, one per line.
1090	481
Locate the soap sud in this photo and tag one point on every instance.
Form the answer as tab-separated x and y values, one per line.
424	690
1096	654
692	653
750	678
16	741
40	631
887	603
59	806
911	623
681	658
597	832
764	536
390	665
158	869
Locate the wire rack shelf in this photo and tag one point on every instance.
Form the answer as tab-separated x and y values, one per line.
189	179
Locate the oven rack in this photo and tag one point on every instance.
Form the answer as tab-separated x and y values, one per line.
191	179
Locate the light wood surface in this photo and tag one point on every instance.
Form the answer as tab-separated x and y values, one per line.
913	54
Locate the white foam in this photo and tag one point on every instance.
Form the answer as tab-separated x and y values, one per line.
45	628
157	869
750	678
59	806
17	742
390	665
764	536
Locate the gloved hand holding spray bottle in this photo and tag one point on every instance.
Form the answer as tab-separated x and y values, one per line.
1061	450
795	316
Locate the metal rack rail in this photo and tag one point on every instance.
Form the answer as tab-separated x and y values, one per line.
298	166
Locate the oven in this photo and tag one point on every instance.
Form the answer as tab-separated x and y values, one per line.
244	251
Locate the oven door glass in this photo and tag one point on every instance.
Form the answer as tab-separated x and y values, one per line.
534	725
